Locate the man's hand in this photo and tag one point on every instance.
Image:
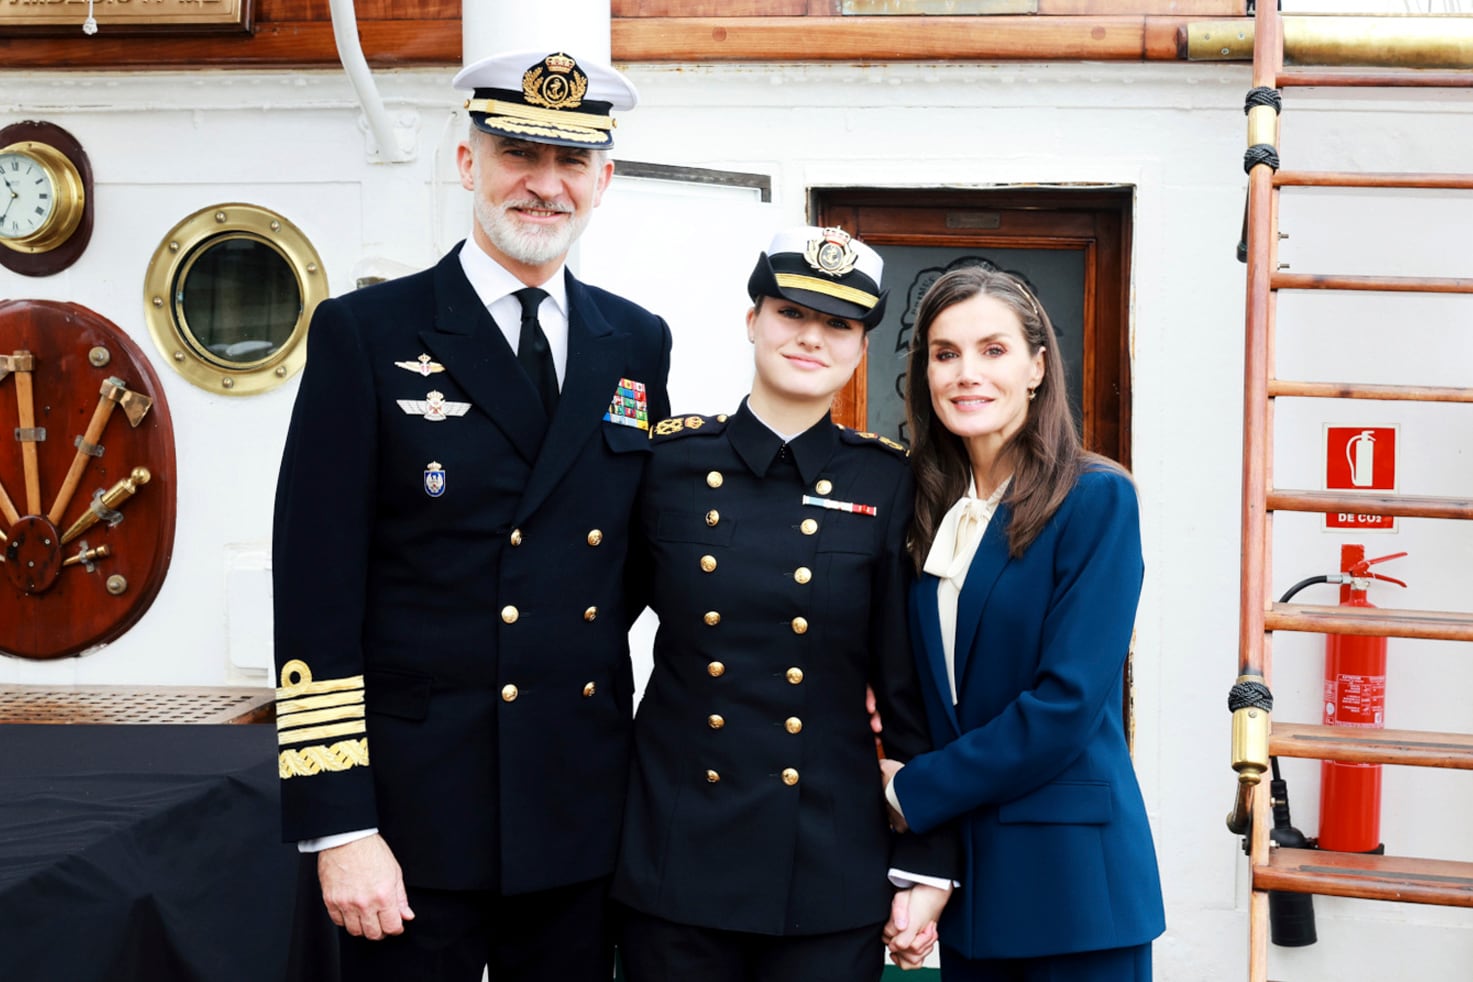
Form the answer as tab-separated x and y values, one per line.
870	706
911	931
363	888
888	770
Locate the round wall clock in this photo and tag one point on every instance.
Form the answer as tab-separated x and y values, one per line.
45	198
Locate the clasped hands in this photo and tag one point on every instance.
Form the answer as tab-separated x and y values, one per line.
910	933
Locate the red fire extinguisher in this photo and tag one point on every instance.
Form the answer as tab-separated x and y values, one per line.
1355	696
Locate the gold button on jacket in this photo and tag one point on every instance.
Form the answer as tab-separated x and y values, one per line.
509	693
509	614
790	776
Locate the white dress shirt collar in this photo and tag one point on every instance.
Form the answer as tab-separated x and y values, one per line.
494	285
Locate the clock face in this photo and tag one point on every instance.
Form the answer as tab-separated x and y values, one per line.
27	195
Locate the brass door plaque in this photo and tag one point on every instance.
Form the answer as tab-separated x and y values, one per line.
124	16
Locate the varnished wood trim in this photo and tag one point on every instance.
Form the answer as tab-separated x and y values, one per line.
431	41
1380	284
897	38
1405	505
1338	874
1414	748
1441	625
1359	390
1362	179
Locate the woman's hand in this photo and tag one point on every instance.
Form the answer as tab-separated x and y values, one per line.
910	933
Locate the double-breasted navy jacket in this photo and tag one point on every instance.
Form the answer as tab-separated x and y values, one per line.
778	572
1032	759
451	616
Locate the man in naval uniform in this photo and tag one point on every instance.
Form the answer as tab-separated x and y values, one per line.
452	523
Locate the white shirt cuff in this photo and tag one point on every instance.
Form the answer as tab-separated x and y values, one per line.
331	841
891	797
902	880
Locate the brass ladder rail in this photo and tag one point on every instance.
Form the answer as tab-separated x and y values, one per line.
1256	736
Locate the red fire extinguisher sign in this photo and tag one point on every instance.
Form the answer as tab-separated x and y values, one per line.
1360	458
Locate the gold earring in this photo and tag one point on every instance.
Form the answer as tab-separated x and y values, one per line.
1032	394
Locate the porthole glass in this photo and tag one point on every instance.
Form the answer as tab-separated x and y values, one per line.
237	300
229	295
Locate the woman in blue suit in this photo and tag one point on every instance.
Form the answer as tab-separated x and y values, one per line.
1031	559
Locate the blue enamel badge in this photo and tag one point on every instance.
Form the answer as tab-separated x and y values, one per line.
434	479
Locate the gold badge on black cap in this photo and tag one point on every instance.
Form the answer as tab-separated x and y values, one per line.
557	83
831	253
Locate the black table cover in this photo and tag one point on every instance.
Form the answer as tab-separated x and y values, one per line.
150	852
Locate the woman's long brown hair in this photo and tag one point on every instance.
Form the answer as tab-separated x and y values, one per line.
1046	453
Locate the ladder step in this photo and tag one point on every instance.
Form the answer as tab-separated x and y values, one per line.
1342	874
1374	621
1353	745
1381	284
1360	390
1360	503
1354	179
1418	79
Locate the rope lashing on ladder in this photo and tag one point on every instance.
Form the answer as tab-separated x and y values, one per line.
1263	96
1250	695
1262	153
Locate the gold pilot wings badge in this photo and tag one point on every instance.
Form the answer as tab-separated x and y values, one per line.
423	366
434	407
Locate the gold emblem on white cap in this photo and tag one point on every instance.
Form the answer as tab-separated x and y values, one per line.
831	253
560	86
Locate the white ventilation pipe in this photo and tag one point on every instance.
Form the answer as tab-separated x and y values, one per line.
350	53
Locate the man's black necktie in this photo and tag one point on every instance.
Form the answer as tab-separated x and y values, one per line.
532	349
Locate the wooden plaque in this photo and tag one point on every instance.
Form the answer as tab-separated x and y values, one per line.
64	597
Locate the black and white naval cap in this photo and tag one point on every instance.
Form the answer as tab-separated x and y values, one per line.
546	97
826	269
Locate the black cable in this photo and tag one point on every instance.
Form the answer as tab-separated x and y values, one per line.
1307	581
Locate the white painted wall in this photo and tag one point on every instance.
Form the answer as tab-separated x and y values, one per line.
163	145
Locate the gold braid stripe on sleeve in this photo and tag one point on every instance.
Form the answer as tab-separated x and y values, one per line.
307	761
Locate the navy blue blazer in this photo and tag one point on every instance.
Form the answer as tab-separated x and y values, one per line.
450	606
1032	760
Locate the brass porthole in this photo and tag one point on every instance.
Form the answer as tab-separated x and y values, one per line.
228	296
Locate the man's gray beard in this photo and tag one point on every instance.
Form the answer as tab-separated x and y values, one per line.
531	245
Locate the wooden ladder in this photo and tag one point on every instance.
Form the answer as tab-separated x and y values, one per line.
1256	737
